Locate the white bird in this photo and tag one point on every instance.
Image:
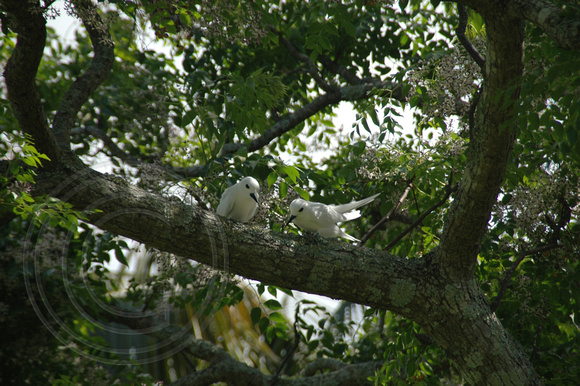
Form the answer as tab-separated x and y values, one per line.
322	218
240	201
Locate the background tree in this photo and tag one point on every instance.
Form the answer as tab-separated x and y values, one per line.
470	254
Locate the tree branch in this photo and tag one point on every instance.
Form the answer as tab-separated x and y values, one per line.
84	85
335	68
561	23
489	151
20	75
290	352
346	93
290	121
460	31
510	272
325	267
223	368
321	364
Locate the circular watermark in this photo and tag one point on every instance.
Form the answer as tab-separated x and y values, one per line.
102	325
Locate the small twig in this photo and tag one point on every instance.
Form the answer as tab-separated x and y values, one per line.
450	189
510	272
416	203
381	324
387	217
290	353
460	31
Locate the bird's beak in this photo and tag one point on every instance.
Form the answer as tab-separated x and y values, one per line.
289	221
253	195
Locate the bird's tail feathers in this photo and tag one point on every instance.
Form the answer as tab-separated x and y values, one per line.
349	237
351	215
344	208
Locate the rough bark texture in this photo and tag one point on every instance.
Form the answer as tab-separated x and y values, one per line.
20	74
439	290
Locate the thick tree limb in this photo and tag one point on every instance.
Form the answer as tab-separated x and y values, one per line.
561	25
20	74
85	84
325	267
489	151
322	364
355	374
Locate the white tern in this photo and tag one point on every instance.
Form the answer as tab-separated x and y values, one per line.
240	201
322	218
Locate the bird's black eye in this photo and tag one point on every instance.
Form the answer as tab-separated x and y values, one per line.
301	209
247	186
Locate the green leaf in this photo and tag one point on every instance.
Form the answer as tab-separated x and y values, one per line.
30	161
270	333
292	172
188	117
277	317
283	189
273	304
256	314
272	177
403	4
264	323
303	193
185	18
120	256
272	290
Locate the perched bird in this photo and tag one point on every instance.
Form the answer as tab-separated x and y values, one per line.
240	201
322	218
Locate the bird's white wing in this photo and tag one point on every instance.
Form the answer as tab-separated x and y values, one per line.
227	202
344	208
326	214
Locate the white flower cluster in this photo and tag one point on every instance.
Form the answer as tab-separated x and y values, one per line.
451	145
224	21
450	82
537	206
369	169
